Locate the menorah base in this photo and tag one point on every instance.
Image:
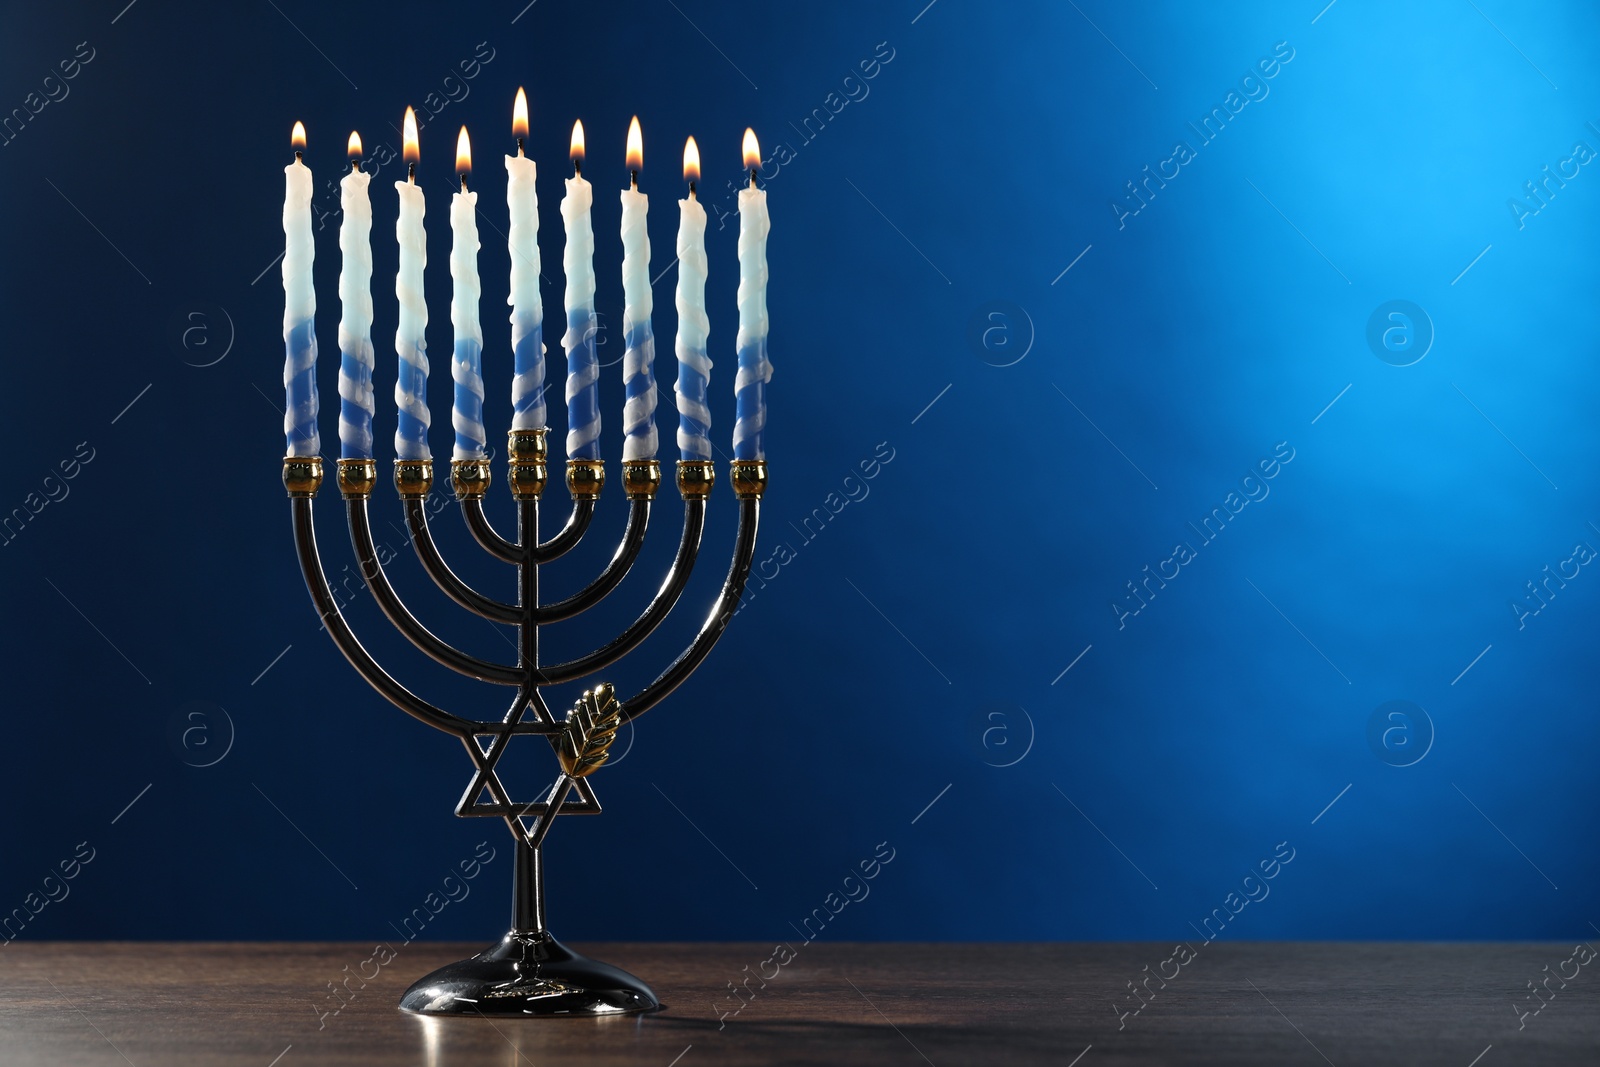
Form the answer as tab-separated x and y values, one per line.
529	975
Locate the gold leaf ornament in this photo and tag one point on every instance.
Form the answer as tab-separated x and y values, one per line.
590	728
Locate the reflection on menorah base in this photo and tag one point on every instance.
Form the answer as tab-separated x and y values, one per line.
529	973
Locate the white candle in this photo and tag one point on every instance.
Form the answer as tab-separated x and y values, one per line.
750	385
356	359
527	310
638	360
465	290
299	309
694	326
583	368
411	384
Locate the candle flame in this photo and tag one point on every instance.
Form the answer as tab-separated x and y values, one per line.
298	137
463	153
752	150
354	149
691	161
412	150
577	142
635	146
519	115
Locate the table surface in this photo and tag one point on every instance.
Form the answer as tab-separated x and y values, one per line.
1275	1003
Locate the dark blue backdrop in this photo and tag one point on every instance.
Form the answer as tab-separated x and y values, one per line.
1080	285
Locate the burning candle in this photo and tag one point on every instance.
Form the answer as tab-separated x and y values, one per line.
638	360
694	366
299	308
465	289
411	385
750	385
527	310
355	303
583	368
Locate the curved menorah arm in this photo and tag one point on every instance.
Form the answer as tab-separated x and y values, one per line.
611	577
418	634
721	613
444	577
484	533
694	518
305	539
567	538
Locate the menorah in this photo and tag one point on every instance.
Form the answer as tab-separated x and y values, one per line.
529	972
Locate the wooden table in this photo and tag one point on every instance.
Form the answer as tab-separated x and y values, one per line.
255	1005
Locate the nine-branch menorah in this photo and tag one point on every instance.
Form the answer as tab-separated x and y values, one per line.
529	972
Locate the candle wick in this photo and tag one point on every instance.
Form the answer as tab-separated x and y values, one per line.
298	157
577	168
463	183
519	146
411	173
753	178
691	190
633	179
355	166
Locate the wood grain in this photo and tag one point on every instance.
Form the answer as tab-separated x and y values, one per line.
222	1005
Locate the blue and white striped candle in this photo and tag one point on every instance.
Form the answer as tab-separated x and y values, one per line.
356	358
638	360
299	309
465	291
411	384
694	326
750	385
583	367
527	309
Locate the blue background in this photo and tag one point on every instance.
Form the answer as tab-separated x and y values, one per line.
1052	432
